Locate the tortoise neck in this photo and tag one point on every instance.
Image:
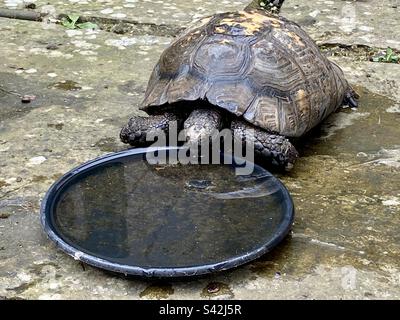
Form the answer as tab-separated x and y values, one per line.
270	6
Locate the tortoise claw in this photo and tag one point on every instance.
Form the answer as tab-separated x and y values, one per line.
353	102
351	98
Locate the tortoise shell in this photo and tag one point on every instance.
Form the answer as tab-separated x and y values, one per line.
262	67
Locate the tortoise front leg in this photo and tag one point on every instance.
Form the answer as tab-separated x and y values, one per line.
201	125
275	148
137	129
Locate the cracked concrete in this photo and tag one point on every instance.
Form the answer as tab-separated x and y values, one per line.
345	242
371	23
175	12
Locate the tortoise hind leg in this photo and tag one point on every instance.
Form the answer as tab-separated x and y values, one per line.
273	147
138	128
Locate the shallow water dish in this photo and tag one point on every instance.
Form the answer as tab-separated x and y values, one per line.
122	214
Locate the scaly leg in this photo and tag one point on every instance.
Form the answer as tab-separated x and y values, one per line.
139	127
273	147
201	124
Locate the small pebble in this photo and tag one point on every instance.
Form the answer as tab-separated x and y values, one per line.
36	160
118	15
24	277
32	70
52	46
27	98
107	11
212	288
199	184
30	5
4	215
391	202
73	33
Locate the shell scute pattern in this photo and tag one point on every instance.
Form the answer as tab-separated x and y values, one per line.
261	67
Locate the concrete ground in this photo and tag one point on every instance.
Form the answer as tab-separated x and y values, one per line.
345	242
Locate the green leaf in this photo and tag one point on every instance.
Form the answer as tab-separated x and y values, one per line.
87	25
388	55
395	58
73	17
68	24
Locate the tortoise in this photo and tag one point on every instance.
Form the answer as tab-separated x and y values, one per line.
253	71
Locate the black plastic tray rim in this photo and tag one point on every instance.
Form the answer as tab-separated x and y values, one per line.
47	206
